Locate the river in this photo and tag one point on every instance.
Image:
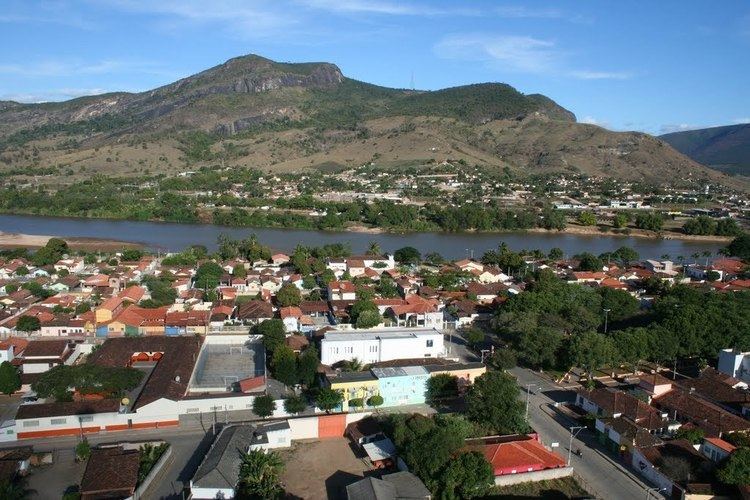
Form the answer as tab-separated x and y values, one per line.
166	236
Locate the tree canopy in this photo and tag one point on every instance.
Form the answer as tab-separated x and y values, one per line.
493	401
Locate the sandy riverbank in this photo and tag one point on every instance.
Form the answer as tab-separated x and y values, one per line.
15	240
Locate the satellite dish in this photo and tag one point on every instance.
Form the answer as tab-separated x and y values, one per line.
125	401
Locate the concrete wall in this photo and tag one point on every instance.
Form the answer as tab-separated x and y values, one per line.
641	464
540	475
155	472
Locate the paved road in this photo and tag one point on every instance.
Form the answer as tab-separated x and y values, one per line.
603	476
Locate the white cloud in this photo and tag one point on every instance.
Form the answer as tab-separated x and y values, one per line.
54	95
517	53
384	8
593	121
245	19
520	53
601	75
73	68
739	121
678	127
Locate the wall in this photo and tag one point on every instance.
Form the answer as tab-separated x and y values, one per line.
647	470
167	457
541	475
407	390
385	349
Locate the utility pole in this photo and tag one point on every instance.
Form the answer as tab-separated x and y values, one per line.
573	433
528	391
606	317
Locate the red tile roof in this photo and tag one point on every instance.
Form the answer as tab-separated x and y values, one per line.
520	456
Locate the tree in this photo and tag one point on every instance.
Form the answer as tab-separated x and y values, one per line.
264	406
649	221
620	303
208	275
360	306
260	475
591	350
368	319
441	387
239	271
50	253
713	275
555	253
493	401
737	469
701	225
10	380
131	254
739	247
83	450
375	401
328	399
589	262
288	295
727	227
22	271
693	434
15	489
352	365
474	337
284	365
374	249
307	366
28	324
273	333
504	359
625	255
467	476
587	219
620	220
407	255
294	404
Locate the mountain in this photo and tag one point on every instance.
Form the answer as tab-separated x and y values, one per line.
726	149
254	112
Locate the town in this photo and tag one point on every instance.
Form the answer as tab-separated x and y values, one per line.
331	375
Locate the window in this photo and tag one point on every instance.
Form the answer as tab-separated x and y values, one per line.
31	423
86	418
58	421
429	343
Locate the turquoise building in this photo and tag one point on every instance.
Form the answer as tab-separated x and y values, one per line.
402	385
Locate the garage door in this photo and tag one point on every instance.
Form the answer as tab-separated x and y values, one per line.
331	425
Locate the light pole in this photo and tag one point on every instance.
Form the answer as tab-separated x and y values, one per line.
528	391
573	433
606	315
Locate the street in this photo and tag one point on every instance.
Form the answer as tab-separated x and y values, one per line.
602	475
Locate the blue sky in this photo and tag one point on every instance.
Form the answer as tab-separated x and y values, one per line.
646	65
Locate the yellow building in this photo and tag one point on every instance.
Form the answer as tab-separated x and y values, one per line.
355	385
466	372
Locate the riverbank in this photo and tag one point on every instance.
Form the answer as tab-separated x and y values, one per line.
16	240
634	233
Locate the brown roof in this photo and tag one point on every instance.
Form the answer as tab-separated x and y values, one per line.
613	401
313	306
255	309
169	378
45	348
708	416
715	386
43	410
111	471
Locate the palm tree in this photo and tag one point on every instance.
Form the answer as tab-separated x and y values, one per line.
353	365
707	254
695	257
665	256
15	490
260	474
374	249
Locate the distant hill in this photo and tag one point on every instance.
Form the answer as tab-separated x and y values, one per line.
726	149
254	112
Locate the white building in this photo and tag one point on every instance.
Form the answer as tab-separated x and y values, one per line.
373	346
735	364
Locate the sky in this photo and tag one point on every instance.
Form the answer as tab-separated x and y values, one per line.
654	66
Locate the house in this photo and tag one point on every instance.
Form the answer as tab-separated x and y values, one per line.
279	259
469	265
684	406
417	312
14	462
342	290
465	372
111	472
42	355
519	458
372	346
674	482
218	473
254	312
396	486
613	403
194	322
291	317
735	363
364	431
402	385
716	449
354	385
109	309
